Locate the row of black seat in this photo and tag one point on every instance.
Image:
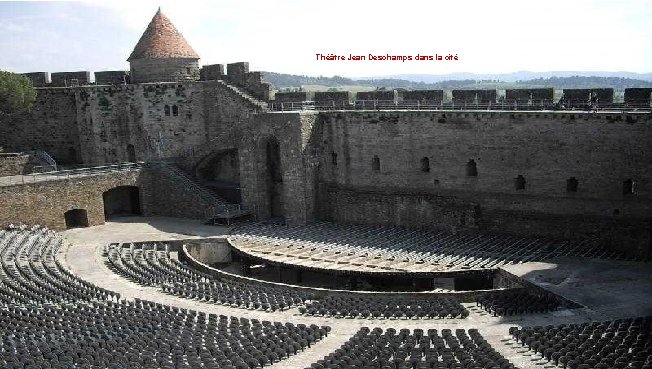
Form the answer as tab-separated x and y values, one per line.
394	246
518	301
153	264
618	344
30	272
418	349
49	318
143	334
399	307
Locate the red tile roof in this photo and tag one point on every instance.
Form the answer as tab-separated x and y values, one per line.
162	40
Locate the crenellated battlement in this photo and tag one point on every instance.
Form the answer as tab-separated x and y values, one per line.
238	74
484	99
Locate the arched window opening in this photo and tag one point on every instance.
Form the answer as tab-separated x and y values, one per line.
375	164
571	184
628	187
166	110
519	182
471	169
175	110
334	158
425	164
131	153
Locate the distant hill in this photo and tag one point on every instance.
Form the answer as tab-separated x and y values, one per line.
510	77
289	81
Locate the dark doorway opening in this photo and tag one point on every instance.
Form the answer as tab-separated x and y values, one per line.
274	177
425	164
121	201
131	153
628	187
375	164
473	283
76	218
571	184
471	169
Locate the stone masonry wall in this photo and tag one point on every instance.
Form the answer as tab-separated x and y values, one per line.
161	194
70	79
51	126
101	124
295	134
114	118
600	150
164	195
164	70
14	164
46	202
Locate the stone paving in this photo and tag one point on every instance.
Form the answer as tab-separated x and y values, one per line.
83	256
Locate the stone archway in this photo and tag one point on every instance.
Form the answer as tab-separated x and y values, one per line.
121	201
76	218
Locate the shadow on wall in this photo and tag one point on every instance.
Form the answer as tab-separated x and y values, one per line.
121	201
220	172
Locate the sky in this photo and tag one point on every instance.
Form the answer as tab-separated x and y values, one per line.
284	36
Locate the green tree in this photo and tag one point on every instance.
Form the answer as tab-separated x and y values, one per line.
17	93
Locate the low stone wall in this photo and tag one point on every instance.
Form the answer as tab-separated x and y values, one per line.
187	257
46	202
210	251
14	164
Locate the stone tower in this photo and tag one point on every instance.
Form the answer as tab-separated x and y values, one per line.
163	55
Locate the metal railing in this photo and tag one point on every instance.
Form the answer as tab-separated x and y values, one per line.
44	157
68	173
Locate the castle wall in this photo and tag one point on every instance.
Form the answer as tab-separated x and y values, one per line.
111	77
39	79
51	126
161	194
165	195
46	202
295	134
114	119
600	150
70	79
101	124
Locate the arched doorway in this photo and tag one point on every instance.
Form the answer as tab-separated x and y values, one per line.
76	218
274	177
121	201
220	171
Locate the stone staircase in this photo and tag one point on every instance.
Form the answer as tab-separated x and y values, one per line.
246	97
219	207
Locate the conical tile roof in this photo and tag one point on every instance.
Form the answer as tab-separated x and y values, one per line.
161	40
